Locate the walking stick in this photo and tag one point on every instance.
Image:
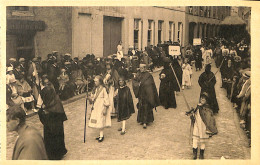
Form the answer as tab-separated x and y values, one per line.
232	90
180	87
86	108
192	123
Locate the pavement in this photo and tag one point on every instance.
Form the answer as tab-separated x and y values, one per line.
167	138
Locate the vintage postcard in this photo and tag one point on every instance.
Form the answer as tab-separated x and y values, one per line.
129	82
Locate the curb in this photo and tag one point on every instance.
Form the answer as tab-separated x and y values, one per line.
80	96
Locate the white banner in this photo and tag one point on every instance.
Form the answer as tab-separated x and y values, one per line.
196	41
174	50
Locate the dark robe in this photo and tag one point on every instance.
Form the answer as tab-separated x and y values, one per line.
53	124
198	60
209	87
125	104
228	75
145	90
166	90
29	145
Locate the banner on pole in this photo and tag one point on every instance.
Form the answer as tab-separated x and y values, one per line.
174	50
196	41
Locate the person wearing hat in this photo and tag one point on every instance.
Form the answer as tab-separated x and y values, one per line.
244	94
228	77
25	91
125	105
207	81
145	90
22	65
204	125
166	90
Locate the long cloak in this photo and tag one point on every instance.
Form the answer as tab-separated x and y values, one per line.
125	104
53	124
209	87
146	92
166	90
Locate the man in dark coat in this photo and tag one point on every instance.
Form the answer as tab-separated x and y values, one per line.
29	144
145	90
52	116
166	91
207	81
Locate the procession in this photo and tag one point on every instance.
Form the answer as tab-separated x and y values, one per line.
167	93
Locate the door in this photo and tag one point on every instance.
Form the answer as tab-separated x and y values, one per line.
82	37
112	27
11	46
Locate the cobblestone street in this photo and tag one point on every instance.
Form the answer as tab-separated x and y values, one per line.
166	138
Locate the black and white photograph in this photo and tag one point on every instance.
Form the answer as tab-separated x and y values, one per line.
128	82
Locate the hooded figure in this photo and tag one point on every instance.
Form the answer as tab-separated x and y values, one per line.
207	81
166	90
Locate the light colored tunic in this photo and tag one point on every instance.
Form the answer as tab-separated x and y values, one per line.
187	71
97	119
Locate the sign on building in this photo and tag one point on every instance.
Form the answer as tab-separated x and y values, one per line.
196	41
174	50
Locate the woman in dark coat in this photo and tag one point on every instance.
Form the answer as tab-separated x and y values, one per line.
52	116
207	81
145	90
166	90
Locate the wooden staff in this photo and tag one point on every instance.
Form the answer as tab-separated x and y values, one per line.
192	123
180	87
86	108
216	71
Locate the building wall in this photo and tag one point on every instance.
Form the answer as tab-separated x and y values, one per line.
129	14
207	17
57	35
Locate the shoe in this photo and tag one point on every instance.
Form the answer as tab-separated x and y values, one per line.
35	110
100	139
144	126
119	129
201	154
195	151
123	132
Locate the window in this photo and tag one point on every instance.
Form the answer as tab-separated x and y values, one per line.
179	32
201	11
160	29
150	34
190	9
171	29
136	33
21	8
